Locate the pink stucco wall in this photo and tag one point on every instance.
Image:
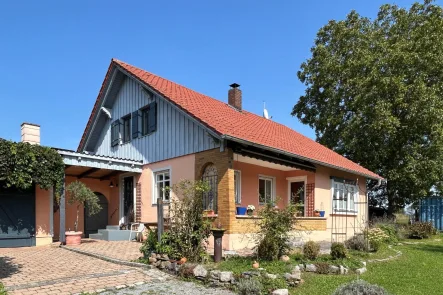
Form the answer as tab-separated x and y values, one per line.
43	213
180	168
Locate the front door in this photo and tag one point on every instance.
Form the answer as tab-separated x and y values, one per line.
99	220
128	199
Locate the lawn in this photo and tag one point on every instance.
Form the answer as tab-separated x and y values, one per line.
418	271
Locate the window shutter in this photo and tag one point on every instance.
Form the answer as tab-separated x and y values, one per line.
152	117
135	129
115	133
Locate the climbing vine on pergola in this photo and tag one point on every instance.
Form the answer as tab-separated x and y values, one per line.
23	164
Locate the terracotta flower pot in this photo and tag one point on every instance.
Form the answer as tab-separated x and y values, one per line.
73	238
255	264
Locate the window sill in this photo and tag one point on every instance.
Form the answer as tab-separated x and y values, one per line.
310	218
344	213
211	216
164	203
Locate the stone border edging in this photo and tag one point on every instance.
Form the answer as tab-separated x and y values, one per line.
108	259
398	254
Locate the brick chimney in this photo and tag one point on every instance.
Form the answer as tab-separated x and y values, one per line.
31	133
234	96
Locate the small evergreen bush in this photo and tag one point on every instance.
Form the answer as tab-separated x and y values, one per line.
338	251
360	287
421	230
391	231
357	242
322	268
3	290
311	250
249	287
377	237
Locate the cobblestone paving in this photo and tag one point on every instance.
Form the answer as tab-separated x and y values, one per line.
52	270
122	250
173	287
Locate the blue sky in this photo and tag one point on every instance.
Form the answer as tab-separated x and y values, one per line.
55	54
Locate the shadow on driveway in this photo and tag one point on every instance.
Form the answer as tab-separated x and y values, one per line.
8	267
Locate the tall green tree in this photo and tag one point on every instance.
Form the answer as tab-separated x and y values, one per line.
374	93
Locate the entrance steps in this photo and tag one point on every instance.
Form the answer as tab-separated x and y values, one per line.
112	233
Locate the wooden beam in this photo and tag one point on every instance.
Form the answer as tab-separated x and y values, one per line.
87	172
108	176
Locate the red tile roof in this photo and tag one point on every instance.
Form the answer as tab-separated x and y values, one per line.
225	120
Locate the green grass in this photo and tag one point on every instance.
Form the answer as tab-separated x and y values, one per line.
418	271
2	290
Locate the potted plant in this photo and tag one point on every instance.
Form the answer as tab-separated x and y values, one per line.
80	194
241	210
317	213
208	212
250	209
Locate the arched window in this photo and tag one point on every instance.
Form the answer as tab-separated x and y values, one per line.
210	197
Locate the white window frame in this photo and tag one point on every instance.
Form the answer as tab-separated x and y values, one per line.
237	187
154	183
273	189
347	191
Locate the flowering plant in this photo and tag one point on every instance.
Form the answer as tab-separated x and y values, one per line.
251	207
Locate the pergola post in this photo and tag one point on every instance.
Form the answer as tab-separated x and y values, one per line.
62	214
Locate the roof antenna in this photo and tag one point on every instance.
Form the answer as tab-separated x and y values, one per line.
265	112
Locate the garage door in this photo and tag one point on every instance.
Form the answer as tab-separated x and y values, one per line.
17	218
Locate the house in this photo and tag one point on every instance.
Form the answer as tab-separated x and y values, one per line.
145	133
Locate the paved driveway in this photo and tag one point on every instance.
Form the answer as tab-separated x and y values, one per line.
52	270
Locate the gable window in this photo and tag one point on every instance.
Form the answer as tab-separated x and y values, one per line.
149	118
237	186
344	196
115	133
266	189
162	183
126	128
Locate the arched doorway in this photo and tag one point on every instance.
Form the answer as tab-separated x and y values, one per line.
99	220
210	197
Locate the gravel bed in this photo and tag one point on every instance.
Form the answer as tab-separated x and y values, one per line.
171	287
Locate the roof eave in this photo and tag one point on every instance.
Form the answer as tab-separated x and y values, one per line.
239	140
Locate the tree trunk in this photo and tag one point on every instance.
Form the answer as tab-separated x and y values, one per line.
76	221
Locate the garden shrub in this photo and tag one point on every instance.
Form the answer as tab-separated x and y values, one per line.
249	287
150	244
3	290
274	234
322	268
421	230
338	251
360	287
357	242
311	250
377	237
391	231
188	232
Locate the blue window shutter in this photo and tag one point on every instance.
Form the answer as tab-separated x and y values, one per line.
135	129
115	133
152	117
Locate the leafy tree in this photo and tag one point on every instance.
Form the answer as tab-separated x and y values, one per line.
374	93
80	194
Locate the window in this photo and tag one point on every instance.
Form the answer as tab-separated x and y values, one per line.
126	128
237	186
149	118
115	133
344	196
265	189
210	176
162	181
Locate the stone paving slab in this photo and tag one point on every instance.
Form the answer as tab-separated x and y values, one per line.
121	250
51	270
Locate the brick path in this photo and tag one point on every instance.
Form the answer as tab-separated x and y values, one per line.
52	270
122	250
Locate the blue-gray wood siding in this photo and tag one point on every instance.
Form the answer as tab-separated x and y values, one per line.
176	135
431	210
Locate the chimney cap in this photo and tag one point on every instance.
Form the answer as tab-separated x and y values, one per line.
32	124
235	85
